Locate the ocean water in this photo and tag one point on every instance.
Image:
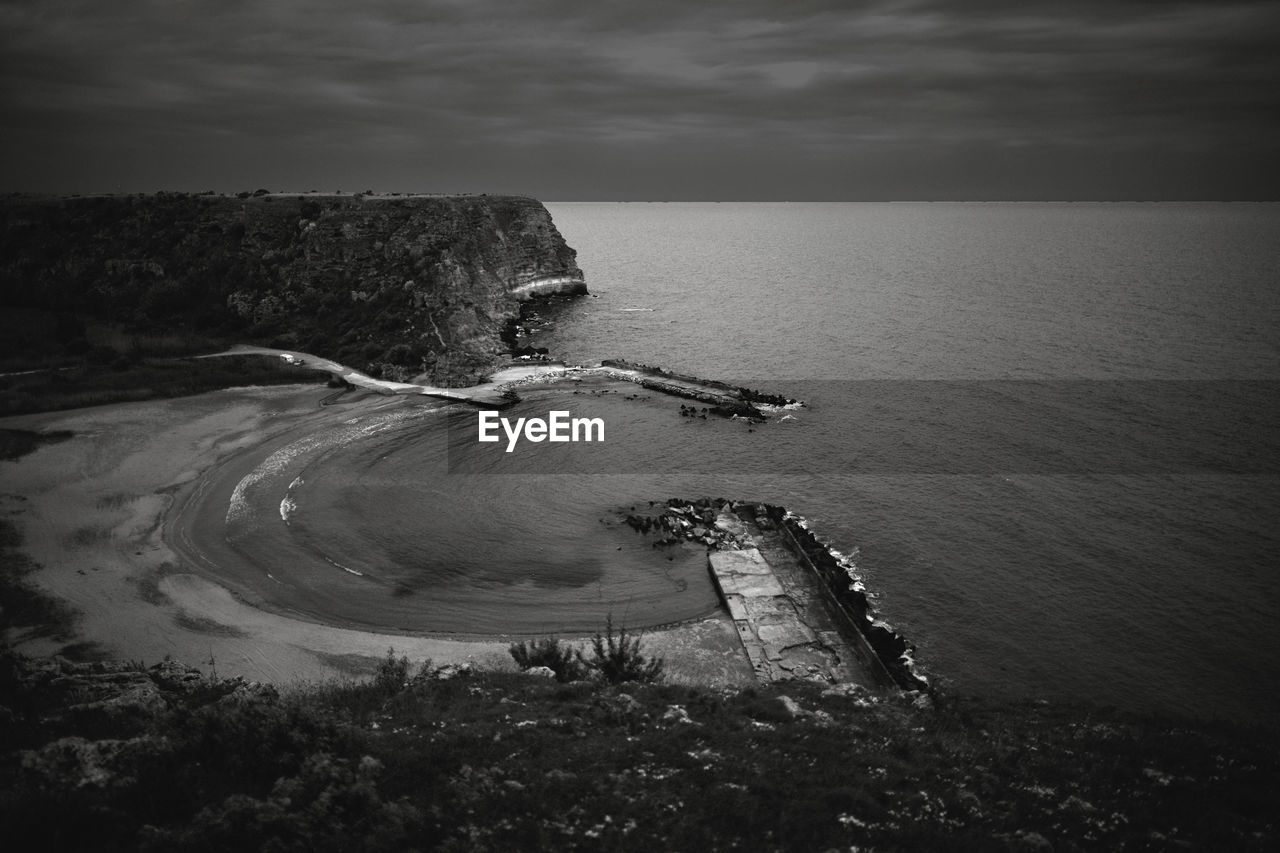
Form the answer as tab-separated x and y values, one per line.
1046	434
1117	541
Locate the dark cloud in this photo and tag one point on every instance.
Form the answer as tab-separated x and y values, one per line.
660	99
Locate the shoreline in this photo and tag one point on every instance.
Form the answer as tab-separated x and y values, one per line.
94	510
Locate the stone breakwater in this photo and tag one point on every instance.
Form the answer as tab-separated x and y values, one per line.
724	399
742	526
841	579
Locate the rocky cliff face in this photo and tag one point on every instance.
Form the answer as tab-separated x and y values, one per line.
397	285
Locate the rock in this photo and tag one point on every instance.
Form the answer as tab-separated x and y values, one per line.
969	800
792	707
1035	841
822	718
676	714
848	689
249	693
1030	842
134	703
174	677
796	711
627	704
541	672
454	670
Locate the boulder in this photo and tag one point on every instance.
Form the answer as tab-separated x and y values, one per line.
677	715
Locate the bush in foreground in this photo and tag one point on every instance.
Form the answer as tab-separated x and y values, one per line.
564	660
615	658
619	659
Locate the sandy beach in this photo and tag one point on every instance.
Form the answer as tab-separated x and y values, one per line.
93	512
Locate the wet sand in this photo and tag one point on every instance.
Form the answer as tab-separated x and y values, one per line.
93	510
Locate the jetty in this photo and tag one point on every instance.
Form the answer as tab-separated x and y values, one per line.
790	623
723	398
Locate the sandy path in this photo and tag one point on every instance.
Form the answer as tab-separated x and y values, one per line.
92	512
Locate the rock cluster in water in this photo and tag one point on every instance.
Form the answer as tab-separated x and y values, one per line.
689	521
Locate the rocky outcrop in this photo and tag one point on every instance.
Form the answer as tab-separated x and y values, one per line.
400	286
109	696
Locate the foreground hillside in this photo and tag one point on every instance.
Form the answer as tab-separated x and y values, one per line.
128	757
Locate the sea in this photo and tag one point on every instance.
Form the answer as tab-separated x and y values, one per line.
1143	573
1045	438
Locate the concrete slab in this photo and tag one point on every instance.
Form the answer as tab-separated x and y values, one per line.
783	615
767	609
737	606
750	585
785	634
748	561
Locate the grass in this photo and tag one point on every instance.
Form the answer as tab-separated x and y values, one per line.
98	384
108	363
503	761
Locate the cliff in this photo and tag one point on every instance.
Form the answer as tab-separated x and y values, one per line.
400	286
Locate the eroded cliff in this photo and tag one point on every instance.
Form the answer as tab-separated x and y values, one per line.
398	285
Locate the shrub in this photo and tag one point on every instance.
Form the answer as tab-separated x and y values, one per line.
565	661
619	659
392	674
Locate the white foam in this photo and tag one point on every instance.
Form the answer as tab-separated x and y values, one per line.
909	661
278	463
347	569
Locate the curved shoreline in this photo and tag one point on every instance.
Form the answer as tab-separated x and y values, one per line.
93	511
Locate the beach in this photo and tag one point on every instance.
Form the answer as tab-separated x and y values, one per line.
94	512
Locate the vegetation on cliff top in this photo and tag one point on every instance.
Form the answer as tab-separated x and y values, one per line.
395	286
125	757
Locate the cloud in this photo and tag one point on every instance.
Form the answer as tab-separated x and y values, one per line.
457	90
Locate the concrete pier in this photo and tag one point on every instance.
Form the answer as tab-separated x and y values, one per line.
788	622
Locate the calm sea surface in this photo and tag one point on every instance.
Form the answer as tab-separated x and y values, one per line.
1147	577
1047	434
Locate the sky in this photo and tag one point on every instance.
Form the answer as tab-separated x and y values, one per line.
646	99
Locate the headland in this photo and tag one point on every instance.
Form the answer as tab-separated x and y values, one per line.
396	296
